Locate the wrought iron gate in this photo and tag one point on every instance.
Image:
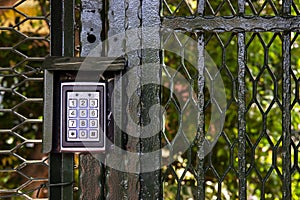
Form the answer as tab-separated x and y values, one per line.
258	36
254	47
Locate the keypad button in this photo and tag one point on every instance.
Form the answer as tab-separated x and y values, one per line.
72	113
83	123
72	103
83	103
93	113
82	133
93	103
82	113
72	134
93	133
93	123
72	123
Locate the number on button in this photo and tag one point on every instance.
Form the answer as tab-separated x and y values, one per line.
72	103
83	103
93	113
83	123
82	134
93	103
72	113
93	123
83	113
72	123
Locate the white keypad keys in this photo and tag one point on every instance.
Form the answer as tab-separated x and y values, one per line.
82	116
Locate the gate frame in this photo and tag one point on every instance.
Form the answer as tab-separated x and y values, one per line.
61	165
123	15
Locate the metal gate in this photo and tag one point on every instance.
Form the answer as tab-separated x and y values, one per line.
232	66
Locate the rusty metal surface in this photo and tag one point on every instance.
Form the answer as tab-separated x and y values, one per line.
242	115
233	24
90	177
92	26
200	137
286	104
116	181
133	9
151	186
91	169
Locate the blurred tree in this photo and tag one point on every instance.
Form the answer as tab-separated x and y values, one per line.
7	2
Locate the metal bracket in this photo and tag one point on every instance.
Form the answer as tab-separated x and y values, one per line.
55	63
58	65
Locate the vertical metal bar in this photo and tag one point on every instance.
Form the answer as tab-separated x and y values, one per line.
55	50
151	186
68	50
67	167
242	108
286	117
241	7
200	138
90	169
68	28
61	165
286	7
241	117
55	175
116	26
286	103
200	7
56	29
116	181
133	23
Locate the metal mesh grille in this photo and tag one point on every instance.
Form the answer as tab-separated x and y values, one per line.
227	7
265	152
24	42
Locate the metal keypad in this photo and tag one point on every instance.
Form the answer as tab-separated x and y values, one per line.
83	116
83	109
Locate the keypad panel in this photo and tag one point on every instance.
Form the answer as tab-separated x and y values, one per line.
83	109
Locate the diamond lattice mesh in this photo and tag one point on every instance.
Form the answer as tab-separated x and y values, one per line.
24	42
226	7
264	108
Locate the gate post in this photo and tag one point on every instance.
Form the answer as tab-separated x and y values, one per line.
151	186
62	44
137	15
108	19
91	171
